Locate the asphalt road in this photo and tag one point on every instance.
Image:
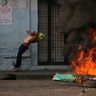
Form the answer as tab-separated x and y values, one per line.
43	88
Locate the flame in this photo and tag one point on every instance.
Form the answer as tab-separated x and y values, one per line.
84	62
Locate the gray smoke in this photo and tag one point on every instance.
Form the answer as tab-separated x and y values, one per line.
77	13
75	17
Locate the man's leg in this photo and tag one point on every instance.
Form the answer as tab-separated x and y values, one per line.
21	50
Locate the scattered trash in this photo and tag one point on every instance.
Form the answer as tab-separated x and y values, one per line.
64	77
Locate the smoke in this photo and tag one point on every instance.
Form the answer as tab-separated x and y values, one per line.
77	13
75	17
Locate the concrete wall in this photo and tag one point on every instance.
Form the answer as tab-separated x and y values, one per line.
24	17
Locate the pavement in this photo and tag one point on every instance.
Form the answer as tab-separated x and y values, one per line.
43	88
40	83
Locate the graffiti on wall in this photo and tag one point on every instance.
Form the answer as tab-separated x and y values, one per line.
5	15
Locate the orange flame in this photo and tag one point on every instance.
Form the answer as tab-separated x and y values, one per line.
84	62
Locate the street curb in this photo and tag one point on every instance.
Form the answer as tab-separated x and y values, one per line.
8	77
34	77
25	77
28	75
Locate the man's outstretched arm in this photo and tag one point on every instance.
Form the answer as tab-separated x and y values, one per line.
31	33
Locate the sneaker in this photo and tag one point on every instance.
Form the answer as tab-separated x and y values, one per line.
16	69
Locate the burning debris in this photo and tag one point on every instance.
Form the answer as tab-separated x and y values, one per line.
78	23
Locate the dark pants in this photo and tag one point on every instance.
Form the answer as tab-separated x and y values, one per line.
21	50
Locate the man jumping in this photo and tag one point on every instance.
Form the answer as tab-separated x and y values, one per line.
32	38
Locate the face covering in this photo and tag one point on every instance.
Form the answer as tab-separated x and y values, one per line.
41	36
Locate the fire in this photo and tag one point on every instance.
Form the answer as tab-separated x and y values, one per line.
84	62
